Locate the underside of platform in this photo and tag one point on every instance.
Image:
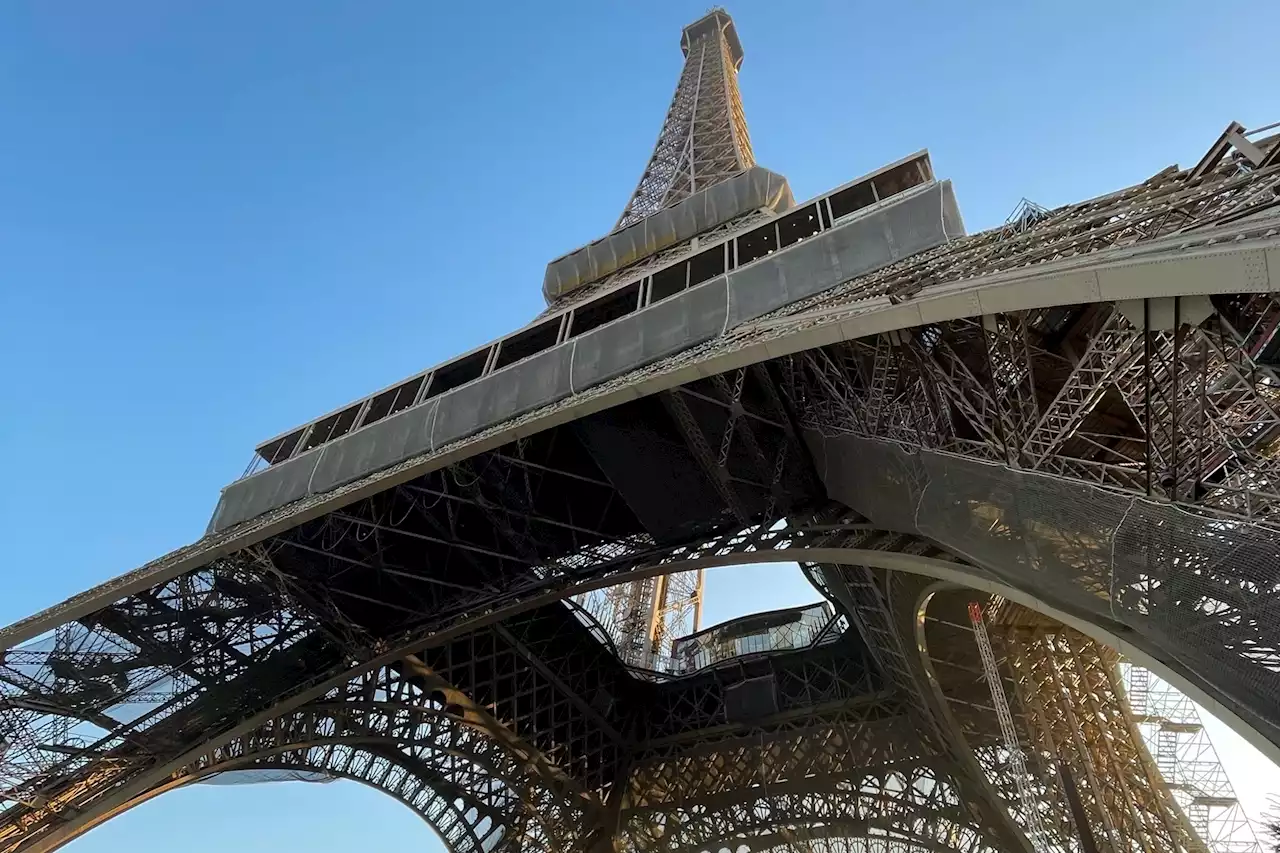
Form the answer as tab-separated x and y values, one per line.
1081	407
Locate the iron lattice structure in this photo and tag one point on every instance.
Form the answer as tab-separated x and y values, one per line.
643	618
704	137
1176	738
704	140
1070	691
1076	412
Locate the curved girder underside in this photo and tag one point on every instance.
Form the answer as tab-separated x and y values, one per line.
470	789
458	823
229	639
820	546
822	780
913	800
791	822
915	806
827	837
1073	722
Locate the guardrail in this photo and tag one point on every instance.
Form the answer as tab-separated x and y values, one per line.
789	629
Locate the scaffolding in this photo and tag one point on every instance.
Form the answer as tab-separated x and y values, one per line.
1175	736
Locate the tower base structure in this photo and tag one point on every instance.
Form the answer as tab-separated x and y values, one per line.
1069	420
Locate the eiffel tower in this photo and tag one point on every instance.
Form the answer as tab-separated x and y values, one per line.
1004	460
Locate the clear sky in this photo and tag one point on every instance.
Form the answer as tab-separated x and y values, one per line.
220	219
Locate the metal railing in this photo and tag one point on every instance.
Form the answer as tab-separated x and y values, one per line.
760	633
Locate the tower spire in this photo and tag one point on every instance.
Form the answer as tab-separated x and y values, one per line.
704	138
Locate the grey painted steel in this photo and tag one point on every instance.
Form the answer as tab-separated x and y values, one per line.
672	325
750	190
512	391
388	442
902	226
913	222
1239	257
1115	560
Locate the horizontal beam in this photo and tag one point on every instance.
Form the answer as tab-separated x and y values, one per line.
1237	258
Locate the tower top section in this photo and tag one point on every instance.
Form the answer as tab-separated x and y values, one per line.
701	174
704	139
717	21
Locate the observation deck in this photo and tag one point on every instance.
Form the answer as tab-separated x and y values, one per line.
859	227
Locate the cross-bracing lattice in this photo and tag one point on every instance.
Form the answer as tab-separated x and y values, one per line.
703	141
1094	775
1128	446
1175	736
239	645
704	137
1072	707
643	617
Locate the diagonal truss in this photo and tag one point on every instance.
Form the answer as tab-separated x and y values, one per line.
789	809
644	617
1090	766
1036	418
387	730
862	772
704	137
1073	709
703	141
1176	738
1116	457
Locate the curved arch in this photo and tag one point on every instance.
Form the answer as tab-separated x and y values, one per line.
1127	642
233	766
442	828
187	781
1137	648
442	764
934	820
395	763
919	607
818	837
788	837
1152	814
865	766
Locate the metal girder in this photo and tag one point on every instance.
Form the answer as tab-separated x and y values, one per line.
542	690
468	712
764	536
1071	682
1074	728
1166	412
787	799
1110	350
95	774
471	788
747	444
864	765
1010	374
113	684
1210	417
499	514
717	475
887	606
684	715
704	136
1175	737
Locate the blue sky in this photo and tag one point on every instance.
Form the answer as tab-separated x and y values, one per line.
220	219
